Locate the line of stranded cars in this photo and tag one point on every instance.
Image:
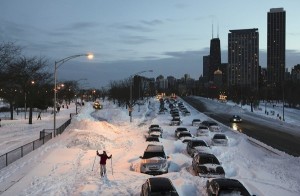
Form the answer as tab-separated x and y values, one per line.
204	164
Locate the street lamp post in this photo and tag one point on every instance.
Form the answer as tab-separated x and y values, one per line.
76	95
56	66
131	83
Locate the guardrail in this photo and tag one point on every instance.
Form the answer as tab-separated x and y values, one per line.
45	135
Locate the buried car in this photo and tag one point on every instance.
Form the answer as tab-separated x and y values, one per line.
226	186
154	160
152	139
219	139
158	186
185	136
196	122
207	165
203	130
175	122
196	146
179	130
212	126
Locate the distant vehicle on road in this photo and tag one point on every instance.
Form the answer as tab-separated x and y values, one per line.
235	119
97	105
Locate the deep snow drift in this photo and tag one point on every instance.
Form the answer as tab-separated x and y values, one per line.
65	164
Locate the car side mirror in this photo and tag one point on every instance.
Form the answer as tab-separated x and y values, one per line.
141	157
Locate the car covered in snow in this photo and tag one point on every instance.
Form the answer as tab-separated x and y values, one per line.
158	186
175	121
154	133
226	186
154	161
153	126
203	130
152	139
207	165
158	129
196	122
196	146
219	139
180	129
185	136
212	125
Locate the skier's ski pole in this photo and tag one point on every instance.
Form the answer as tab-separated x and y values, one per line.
94	162
112	171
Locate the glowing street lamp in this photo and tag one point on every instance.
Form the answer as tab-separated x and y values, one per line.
56	66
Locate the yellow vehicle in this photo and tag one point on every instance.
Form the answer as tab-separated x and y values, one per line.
97	105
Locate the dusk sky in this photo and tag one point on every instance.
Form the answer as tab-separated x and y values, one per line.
169	37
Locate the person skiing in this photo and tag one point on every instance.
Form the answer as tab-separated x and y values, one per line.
103	158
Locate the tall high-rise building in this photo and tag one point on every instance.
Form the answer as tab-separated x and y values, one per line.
205	68
276	46
214	57
243	58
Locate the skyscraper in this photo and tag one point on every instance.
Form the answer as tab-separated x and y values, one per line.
243	57
276	46
206	68
215	57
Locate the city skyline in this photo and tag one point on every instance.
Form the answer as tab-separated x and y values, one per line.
168	37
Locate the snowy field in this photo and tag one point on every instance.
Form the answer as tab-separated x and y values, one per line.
64	165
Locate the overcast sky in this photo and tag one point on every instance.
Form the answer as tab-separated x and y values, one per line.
169	37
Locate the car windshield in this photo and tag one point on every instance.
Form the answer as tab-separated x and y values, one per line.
210	159
181	129
185	135
212	124
196	120
152	139
198	143
148	155
218	136
152	126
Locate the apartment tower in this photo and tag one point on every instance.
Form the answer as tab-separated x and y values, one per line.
243	58
276	46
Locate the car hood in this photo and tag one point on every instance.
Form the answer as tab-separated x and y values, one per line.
186	138
211	166
153	160
201	148
155	133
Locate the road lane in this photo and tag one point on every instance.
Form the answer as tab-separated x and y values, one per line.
272	136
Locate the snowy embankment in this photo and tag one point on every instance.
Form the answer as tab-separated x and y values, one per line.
65	165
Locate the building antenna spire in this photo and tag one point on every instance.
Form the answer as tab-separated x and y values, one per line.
212	30
218	31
